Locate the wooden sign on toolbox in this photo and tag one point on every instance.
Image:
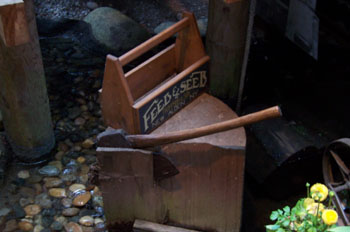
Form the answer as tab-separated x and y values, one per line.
145	97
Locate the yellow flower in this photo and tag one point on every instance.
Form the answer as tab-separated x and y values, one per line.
308	202
319	192
312	208
329	216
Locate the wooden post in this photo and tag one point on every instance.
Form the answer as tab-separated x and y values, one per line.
226	39
23	97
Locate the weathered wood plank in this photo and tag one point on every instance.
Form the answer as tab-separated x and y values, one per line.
116	98
149	74
225	43
189	47
23	97
13	23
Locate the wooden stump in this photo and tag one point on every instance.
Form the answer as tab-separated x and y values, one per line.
23	97
225	43
207	193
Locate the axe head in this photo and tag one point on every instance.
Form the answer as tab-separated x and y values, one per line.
163	167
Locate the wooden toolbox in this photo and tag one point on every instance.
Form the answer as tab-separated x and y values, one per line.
140	100
160	99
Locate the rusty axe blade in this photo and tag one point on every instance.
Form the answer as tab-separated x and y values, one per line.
163	167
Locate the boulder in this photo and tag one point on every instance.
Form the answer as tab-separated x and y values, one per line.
202	26
115	30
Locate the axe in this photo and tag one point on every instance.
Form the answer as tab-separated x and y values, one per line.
163	167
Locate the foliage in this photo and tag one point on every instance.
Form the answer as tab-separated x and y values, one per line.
309	214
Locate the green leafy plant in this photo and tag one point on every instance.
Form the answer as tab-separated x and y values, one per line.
309	214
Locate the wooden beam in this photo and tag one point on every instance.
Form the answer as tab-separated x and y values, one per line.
13	23
226	39
23	97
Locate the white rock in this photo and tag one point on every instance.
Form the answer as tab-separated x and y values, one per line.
24	174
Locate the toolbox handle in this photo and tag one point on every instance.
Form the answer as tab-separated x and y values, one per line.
154	41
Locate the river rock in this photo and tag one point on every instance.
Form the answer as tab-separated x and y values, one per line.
38	228
91	5
86	221
81	159
76	188
43	200
52	182
79	121
10	226
61	219
57	192
57	164
63	147
99	227
67	202
70	212
88	143
56	226
115	30
24	174
73	227
4	211
201	23
68	177
49	170
59	155
38	219
32	210
164	25
81	199
74	112
18	211
26	201
97	201
35	178
25	226
83	178
27	192
84	169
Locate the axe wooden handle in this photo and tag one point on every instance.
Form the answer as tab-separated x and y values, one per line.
142	141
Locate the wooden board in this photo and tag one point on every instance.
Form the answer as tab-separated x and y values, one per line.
149	74
13	23
172	99
207	193
116	98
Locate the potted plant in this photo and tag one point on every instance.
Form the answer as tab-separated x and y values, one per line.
315	213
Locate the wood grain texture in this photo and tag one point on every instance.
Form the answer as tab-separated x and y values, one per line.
14	29
116	98
207	193
23	96
152	72
225	43
189	46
